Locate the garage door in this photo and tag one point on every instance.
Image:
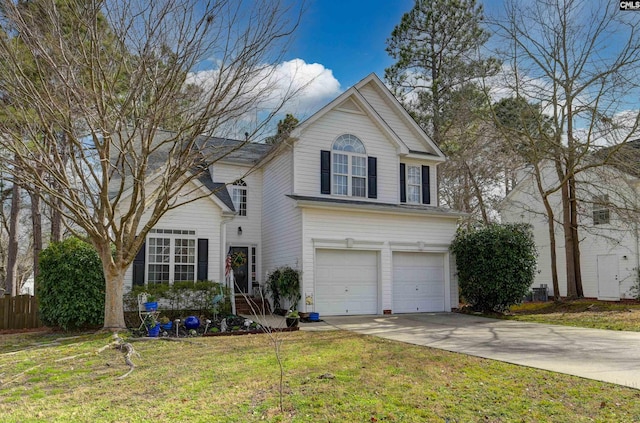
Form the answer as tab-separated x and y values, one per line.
346	282
418	282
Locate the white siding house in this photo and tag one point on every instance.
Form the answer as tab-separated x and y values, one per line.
609	244
349	199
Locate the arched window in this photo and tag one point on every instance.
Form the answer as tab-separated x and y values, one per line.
239	197
349	170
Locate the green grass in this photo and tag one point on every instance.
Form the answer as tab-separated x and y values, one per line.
581	313
235	379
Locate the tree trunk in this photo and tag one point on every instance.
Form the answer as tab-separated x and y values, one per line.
552	247
36	220
56	222
568	242
573	202
114	292
10	283
478	194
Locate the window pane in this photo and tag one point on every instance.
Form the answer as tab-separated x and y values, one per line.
184	273
239	199
158	273
350	143
414	175
340	185
341	164
413	194
414	184
358	166
358	187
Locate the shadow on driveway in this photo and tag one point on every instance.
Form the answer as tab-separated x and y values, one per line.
605	355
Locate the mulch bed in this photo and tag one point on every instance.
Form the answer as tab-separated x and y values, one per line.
250	332
33	330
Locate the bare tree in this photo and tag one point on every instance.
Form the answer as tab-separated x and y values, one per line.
122	93
579	63
11	276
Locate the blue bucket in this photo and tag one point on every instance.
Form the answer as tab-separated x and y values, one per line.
314	317
154	331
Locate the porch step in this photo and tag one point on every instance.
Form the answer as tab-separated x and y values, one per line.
252	305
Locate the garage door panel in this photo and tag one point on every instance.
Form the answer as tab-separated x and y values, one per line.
418	282
346	282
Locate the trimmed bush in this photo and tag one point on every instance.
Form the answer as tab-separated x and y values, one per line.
70	287
180	298
496	265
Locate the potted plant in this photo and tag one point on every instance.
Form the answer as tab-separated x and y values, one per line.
284	284
165	323
292	318
151	304
152	325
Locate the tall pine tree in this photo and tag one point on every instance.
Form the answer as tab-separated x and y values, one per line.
436	48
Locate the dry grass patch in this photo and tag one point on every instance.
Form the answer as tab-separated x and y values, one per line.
330	376
581	313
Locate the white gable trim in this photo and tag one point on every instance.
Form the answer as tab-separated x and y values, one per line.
373	78
361	101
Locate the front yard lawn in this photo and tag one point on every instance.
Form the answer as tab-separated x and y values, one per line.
331	376
581	313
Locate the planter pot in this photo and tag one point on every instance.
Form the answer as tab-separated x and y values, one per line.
154	331
192	322
151	306
292	322
166	326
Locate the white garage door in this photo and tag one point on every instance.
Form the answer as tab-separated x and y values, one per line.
418	282
346	282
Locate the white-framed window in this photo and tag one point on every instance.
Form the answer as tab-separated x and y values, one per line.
349	167
414	184
601	210
171	255
239	197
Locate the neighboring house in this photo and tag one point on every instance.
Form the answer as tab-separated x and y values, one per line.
608	227
350	199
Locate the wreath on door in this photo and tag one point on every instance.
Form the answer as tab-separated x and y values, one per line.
238	259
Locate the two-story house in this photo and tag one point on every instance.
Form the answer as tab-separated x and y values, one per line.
350	199
608	228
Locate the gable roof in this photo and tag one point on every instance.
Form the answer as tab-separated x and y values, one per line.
624	157
217	188
234	151
356	96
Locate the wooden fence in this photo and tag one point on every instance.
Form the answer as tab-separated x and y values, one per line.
19	312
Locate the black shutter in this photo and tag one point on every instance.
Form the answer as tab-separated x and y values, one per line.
325	172
138	266
403	183
203	259
372	177
426	188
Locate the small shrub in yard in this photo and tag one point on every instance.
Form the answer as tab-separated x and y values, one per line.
496	265
70	287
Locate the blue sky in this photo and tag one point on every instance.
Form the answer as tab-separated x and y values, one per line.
348	37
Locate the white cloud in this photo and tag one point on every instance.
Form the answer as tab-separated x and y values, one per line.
315	84
303	87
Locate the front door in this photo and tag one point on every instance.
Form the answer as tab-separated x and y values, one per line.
240	266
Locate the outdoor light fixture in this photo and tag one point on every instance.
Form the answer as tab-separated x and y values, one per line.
239	230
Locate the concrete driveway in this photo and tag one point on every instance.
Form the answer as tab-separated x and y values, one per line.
610	356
